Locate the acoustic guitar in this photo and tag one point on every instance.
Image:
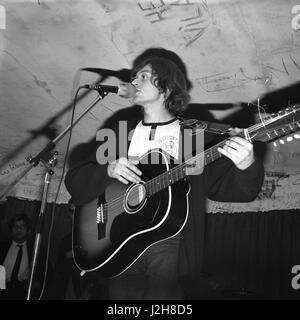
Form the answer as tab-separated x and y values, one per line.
112	231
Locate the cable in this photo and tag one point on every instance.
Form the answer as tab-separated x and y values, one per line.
57	193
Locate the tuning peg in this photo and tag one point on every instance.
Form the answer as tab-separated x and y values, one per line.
291	127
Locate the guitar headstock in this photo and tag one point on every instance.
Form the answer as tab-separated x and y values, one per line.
277	125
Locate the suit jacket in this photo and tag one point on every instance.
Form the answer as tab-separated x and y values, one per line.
40	267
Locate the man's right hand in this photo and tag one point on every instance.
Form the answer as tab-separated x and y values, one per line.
124	170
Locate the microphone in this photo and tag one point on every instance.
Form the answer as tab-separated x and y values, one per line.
124	90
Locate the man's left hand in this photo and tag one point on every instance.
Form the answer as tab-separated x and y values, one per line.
240	151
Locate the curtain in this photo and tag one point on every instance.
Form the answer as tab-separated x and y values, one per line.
247	255
251	255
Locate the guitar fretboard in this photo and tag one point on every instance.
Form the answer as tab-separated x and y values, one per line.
180	171
286	122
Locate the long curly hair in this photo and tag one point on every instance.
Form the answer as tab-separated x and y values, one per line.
169	79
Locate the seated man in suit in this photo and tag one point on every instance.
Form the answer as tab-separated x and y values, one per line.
16	256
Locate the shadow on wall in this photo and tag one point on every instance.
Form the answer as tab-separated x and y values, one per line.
281	98
245	117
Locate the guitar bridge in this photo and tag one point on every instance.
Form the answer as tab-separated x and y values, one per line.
101	223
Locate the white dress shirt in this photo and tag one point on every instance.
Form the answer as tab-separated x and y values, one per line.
10	259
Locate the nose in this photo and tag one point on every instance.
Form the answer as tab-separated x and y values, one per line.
134	82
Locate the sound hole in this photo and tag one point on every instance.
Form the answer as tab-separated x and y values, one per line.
136	195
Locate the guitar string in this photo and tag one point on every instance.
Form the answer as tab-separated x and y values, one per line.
117	205
175	170
213	152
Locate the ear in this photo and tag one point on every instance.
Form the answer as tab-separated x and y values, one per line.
167	94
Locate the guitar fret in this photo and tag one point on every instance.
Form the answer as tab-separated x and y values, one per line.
166	180
207	158
161	184
169	177
156	184
184	171
180	172
148	189
152	187
211	154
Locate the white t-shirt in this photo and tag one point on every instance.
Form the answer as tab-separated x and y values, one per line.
161	135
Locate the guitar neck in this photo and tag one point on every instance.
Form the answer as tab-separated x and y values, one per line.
184	169
270	128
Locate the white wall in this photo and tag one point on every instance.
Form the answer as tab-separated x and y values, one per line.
234	51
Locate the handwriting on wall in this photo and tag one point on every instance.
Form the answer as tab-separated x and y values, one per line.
272	181
31	185
227	80
191	18
280	191
286	65
11	167
271	75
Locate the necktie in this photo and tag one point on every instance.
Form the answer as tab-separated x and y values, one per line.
15	271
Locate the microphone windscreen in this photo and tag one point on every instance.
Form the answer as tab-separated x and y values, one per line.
126	90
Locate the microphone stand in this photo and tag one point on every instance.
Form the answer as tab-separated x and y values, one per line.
50	161
40	223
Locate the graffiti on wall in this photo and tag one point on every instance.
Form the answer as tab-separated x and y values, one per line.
191	18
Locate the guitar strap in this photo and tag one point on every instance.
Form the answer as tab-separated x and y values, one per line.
207	126
197	128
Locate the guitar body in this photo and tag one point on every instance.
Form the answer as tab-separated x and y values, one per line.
133	221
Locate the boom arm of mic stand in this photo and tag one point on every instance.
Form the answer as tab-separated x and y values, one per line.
50	146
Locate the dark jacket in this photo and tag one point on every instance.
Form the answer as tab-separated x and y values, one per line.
40	267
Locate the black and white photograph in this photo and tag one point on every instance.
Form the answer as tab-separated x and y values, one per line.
150	153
